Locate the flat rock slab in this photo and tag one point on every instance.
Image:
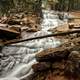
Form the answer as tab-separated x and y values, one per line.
8	34
53	54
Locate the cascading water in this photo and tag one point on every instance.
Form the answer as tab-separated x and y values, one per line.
17	61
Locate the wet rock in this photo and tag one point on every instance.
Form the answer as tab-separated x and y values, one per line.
74	55
71	25
33	27
13	22
53	54
73	65
59	65
42	66
53	77
49	75
31	30
60	28
16	28
8	34
65	65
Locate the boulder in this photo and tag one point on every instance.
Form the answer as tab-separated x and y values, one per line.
53	54
42	66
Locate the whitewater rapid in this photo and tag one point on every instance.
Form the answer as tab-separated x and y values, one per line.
17	61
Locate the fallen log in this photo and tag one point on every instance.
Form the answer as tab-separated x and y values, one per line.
42	66
41	37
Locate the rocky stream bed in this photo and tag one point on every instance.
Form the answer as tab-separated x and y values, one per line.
44	59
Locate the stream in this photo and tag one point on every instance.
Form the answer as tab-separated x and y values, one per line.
16	62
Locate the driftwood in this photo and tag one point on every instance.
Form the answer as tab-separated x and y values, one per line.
41	37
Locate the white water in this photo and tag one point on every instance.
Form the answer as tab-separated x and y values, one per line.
17	62
50	20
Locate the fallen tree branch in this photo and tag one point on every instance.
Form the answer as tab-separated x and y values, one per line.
41	37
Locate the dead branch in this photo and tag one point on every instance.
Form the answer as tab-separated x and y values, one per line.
41	37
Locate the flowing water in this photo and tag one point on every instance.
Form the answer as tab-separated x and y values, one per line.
17	61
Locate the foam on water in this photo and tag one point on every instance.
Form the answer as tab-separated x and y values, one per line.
51	20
